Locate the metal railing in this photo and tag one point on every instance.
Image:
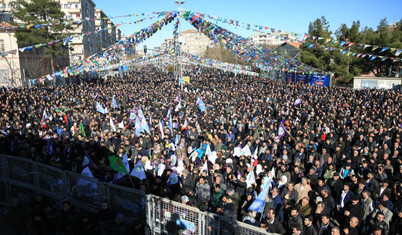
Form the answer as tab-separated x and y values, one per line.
25	178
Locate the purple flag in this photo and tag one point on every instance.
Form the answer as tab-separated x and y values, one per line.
281	131
297	101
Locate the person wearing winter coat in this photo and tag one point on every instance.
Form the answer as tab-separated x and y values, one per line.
203	193
186	182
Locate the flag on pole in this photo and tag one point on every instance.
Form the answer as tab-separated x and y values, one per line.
178	106
200	104
87	173
238	151
171	124
161	130
185	125
297	101
4	133
250	178
44	118
100	109
259	202
177	98
115	103
87	162
173	179
205	167
142	120
281	131
132	116
139	171
120	174
169	113
112	126
117	164
82	130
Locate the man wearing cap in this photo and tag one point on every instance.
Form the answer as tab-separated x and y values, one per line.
384	189
187	182
346	196
354	209
385	211
336	185
185	200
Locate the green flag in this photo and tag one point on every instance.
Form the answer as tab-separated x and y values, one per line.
82	130
64	108
117	164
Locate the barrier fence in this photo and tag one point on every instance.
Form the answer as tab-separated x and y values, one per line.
25	178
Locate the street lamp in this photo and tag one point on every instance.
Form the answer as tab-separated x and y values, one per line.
178	65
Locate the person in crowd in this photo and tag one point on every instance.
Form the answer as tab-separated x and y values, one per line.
338	143
273	225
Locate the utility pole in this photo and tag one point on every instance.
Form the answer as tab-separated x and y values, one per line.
12	60
178	69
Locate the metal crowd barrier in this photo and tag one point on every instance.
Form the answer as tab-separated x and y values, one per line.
85	192
25	178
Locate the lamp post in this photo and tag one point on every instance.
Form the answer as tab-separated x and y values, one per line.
178	71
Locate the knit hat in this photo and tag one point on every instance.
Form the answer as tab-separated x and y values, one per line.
185	199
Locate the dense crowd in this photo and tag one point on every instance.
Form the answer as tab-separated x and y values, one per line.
336	170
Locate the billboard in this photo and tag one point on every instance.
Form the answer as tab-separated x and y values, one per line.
320	80
290	77
301	78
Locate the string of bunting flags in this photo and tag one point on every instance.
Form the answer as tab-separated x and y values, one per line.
352	53
348	44
257	28
113	53
73	22
284	36
68	39
265	59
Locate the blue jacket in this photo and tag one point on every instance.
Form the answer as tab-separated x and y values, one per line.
347	199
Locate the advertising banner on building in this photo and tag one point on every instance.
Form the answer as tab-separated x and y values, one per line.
320	80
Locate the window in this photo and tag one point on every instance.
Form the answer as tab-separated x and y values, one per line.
4	76
1	45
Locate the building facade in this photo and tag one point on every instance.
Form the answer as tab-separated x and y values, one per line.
271	39
10	70
15	67
194	42
84	46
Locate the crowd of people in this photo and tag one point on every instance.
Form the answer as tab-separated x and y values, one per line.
335	170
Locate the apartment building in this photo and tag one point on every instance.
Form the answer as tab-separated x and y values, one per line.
79	47
10	71
194	42
271	39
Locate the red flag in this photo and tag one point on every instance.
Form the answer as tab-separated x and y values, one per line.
255	163
65	118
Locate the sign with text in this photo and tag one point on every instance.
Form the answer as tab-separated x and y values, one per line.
320	80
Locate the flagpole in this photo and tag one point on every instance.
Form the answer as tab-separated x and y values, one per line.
132	183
